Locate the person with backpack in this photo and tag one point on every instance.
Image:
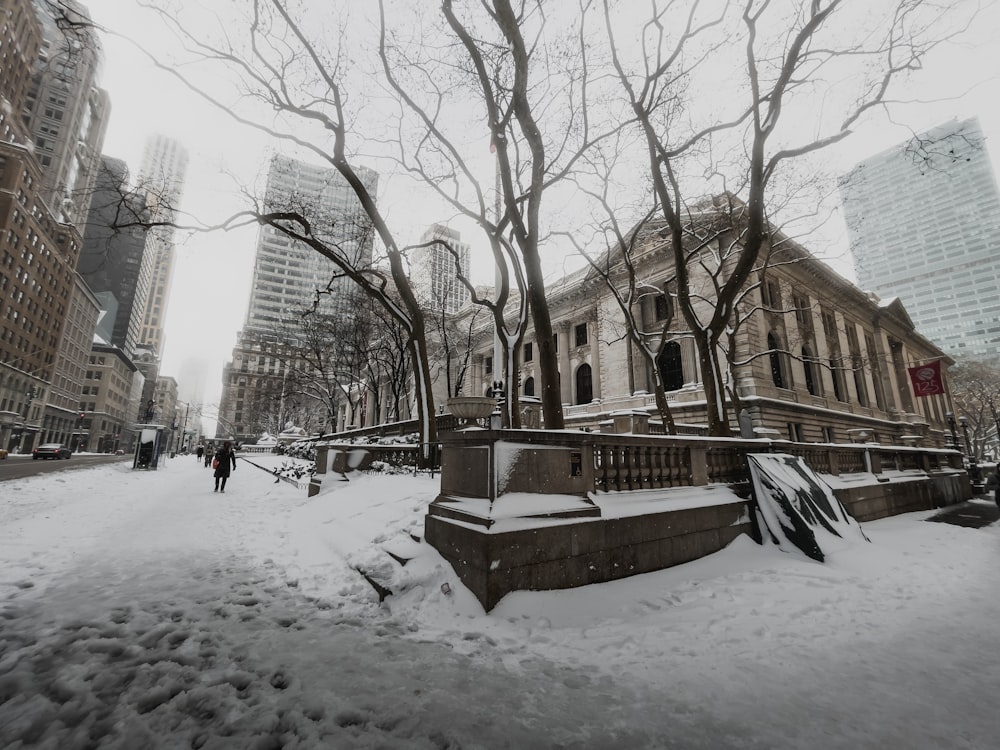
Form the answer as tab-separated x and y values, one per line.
225	459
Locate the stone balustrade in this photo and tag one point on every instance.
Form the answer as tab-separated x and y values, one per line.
570	462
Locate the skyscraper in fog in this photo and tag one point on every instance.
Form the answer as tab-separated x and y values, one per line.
287	275
433	269
114	260
161	179
924	225
66	113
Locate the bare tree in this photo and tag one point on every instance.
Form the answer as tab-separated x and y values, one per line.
789	49
975	389
524	70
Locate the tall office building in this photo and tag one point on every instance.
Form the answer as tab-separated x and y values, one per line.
20	40
433	269
286	277
161	180
44	310
114	261
66	113
286	273
924	224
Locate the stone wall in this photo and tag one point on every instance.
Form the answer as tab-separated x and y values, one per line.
542	549
569	554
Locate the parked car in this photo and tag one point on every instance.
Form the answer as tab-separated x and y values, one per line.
51	450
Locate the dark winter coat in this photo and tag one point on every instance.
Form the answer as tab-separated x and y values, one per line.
225	459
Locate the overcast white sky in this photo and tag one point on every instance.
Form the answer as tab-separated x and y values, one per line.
212	273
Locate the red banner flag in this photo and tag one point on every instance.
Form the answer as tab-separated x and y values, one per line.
926	379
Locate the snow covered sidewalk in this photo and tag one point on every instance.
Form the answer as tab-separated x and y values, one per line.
140	610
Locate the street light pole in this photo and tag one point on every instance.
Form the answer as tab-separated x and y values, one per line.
965	431
29	396
954	434
184	428
974	474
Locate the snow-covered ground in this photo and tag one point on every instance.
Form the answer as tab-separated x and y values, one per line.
142	610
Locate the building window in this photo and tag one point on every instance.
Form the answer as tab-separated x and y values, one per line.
528	352
876	367
662	307
812	376
770	294
671	367
803	315
581	334
489	365
555	342
857	364
529	387
777	371
584	384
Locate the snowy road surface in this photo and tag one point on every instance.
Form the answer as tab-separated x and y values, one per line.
140	610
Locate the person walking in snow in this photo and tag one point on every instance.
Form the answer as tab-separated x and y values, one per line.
208	455
200	452
224	459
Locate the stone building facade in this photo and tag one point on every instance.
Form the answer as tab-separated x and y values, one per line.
109	400
38	257
65	403
816	358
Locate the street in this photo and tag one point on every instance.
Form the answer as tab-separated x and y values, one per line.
17	467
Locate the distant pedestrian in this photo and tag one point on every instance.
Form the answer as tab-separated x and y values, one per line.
224	459
208	456
200	452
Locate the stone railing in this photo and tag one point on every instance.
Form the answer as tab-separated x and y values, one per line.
577	463
628	463
340	459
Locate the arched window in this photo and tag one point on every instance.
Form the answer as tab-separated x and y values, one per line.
671	367
584	385
777	366
529	387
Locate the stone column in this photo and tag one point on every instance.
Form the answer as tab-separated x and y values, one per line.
689	361
566	372
595	357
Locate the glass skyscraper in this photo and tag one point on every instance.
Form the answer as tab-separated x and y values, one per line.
924	224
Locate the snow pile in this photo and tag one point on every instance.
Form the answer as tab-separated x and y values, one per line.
139	609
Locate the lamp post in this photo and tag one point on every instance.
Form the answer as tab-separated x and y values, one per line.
184	440
29	396
965	431
954	434
974	474
497	418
